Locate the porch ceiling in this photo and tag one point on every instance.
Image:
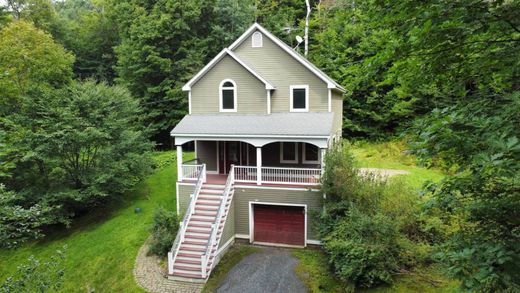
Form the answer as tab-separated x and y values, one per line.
258	130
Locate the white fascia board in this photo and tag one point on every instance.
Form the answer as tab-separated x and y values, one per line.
330	83
214	61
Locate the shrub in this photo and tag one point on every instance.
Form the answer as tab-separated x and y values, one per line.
164	230
371	228
363	249
37	276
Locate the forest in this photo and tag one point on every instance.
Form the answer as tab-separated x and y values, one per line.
89	88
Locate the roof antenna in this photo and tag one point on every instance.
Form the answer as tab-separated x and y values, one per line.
299	40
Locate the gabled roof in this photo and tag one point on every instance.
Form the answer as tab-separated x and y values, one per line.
222	54
330	82
311	124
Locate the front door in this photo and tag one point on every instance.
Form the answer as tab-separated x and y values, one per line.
229	153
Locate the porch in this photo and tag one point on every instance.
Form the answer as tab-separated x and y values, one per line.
282	164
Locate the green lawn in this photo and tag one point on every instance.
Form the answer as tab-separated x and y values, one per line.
102	246
393	155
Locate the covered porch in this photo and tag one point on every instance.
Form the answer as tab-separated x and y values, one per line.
274	164
277	149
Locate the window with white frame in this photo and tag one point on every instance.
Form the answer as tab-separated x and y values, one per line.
228	96
299	98
289	152
257	41
311	154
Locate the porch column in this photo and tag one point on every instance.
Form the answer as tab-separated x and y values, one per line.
179	163
258	166
323	152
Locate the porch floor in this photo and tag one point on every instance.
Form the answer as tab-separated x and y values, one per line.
220	179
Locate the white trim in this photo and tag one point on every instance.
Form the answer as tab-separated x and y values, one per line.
278	244
242	236
212	172
196	156
251	217
249	135
221	88
314	242
330	82
214	61
187	183
305	161
268	102
291	102
329	99
189	102
225	246
237	185
282	160
261	43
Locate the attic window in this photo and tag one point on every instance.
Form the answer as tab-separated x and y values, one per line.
257	40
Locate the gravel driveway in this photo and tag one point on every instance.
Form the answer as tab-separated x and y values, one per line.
271	270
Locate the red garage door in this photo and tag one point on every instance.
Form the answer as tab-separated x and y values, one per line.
279	224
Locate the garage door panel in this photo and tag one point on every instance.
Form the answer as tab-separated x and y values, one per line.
279	224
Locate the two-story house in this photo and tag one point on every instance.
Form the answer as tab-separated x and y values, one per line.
261	117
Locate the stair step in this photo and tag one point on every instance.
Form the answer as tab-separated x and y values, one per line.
213	186
211	191
198	230
203	219
193	261
209	197
192	248
189	254
205	208
208	202
192	235
187	274
205	213
194	242
196	224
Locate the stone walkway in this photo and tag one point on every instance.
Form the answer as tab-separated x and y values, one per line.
151	276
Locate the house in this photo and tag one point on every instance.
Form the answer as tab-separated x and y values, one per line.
261	117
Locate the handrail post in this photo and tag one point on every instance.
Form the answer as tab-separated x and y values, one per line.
204	173
170	262
203	265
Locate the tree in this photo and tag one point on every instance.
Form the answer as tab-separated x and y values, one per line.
91	35
40	13
78	146
29	58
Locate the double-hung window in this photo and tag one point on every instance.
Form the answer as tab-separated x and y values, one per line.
299	98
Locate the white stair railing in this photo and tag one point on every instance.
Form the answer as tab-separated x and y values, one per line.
192	171
215	227
278	175
172	255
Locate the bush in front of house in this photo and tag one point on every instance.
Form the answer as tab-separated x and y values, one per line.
371	228
164	230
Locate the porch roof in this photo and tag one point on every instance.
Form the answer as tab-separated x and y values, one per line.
275	124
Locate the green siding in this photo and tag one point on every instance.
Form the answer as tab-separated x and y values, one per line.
313	200
337	108
184	198
229	226
251	92
283	70
207	153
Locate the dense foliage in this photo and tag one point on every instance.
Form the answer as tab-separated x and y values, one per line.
76	146
371	229
164	227
37	275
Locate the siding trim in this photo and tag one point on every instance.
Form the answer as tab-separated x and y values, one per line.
189	102
278	188
214	61
177	197
251	217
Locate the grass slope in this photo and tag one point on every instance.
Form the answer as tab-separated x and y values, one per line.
393	155
103	245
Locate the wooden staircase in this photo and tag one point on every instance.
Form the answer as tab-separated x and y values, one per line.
199	238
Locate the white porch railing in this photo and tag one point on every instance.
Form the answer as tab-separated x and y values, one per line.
191	172
278	175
